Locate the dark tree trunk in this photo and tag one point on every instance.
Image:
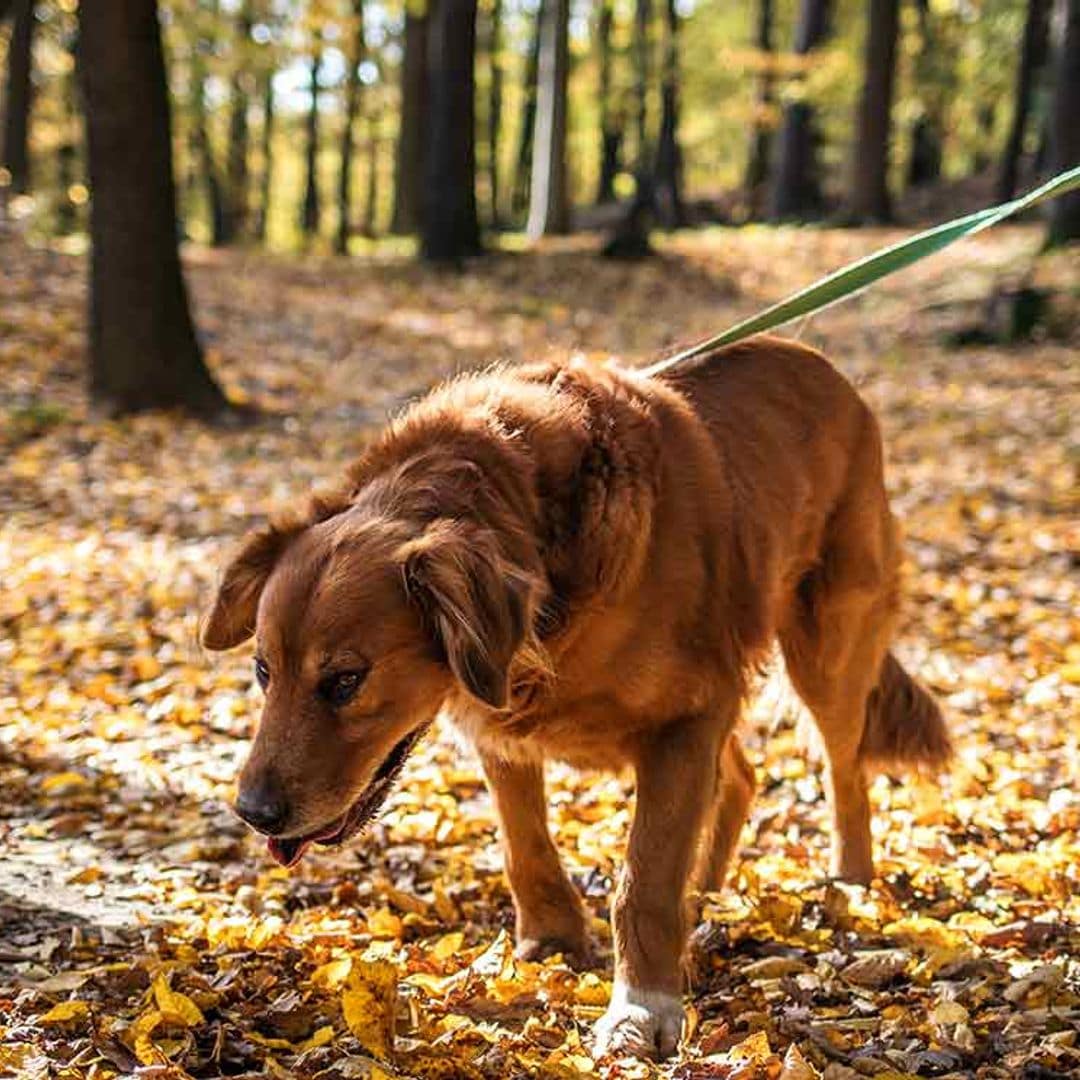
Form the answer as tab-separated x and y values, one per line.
16	149
669	200
409	165
642	50
519	199
6	7
761	136
494	113
870	199
549	209
352	105
1032	58
67	154
796	186
927	130
204	166
267	174
610	125
143	350
371	203
236	209
1064	223
450	227
309	211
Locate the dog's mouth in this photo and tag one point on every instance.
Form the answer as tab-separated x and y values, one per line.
289	850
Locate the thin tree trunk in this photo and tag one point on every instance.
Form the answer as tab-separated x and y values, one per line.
642	50
267	155
669	200
450	227
203	152
870	199
924	164
237	160
761	137
67	154
16	148
409	168
519	199
143	349
1032	58
796	184
494	115
309	211
352	105
1064	223
610	126
549	210
371	203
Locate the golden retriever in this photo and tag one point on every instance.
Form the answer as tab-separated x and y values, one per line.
584	563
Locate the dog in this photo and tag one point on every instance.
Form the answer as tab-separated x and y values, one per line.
585	563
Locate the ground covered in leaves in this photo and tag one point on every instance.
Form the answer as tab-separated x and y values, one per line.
143	932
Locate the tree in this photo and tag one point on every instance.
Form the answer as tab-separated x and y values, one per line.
450	229
1064	219
204	165
757	166
927	129
267	155
1032	58
549	208
668	178
519	197
869	195
310	208
409	164
143	349
611	132
16	155
236	203
352	105
796	189
494	111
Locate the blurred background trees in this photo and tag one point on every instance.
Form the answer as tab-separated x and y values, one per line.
323	125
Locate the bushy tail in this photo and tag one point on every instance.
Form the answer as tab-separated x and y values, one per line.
904	725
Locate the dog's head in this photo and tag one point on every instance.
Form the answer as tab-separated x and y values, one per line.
364	625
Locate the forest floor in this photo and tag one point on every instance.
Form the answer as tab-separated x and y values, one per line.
142	930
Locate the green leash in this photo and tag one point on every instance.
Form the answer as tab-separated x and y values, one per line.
864	272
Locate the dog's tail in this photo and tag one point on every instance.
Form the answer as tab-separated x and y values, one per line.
904	725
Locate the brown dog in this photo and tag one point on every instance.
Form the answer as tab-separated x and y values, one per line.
583	563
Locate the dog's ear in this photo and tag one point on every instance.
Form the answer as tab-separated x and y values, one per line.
476	603
232	619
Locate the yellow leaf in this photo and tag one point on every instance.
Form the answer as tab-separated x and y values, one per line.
65	1012
384	924
87	876
320	1038
176	1007
448	945
139	1038
64	783
369	1005
333	973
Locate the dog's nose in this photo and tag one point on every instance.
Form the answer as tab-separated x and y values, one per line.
262	805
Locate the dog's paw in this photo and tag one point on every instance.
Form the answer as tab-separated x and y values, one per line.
639	1023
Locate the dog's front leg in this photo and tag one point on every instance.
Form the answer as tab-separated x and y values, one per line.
676	776
550	914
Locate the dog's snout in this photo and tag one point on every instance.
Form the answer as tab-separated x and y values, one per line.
263	805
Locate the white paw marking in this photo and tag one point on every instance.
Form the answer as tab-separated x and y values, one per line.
639	1023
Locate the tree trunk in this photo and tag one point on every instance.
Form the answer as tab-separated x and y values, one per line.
237	160
610	125
549	210
266	176
669	200
67	153
1032	58
352	105
371	203
642	49
6	7
16	150
796	187
1064	223
494	114
870	200
143	350
409	166
927	130
309	211
761	138
519	198
204	166
450	227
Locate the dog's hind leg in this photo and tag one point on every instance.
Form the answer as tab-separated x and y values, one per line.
549	913
734	793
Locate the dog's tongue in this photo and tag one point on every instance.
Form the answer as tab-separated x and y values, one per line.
287	851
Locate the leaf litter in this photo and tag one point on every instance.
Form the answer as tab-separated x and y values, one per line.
143	932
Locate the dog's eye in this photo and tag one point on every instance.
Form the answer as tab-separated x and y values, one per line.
262	672
340	687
